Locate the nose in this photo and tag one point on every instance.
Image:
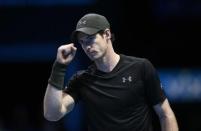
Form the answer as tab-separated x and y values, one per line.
88	47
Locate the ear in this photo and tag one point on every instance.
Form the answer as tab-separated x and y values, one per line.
107	34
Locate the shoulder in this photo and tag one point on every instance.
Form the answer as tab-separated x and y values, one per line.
138	62
134	59
81	74
77	75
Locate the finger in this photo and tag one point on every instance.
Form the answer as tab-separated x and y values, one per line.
73	48
65	53
71	44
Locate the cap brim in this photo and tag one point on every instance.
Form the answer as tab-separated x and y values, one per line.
86	30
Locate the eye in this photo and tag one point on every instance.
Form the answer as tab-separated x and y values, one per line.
81	42
88	40
91	37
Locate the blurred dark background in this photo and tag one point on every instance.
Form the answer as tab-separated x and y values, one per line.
167	32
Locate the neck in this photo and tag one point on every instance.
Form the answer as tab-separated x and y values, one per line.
108	61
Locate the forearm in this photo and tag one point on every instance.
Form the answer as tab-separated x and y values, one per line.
169	123
53	103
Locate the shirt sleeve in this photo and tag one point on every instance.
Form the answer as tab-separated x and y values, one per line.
154	91
72	88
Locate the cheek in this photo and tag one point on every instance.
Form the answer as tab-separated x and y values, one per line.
98	48
84	48
103	46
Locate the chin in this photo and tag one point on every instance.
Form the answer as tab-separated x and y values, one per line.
95	57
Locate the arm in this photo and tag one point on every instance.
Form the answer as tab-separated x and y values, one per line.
166	116
56	102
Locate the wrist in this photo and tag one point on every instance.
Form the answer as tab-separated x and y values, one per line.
56	78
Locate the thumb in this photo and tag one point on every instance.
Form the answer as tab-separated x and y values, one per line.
73	50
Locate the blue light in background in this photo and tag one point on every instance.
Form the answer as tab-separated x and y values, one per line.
28	53
164	9
39	52
182	85
45	2
76	119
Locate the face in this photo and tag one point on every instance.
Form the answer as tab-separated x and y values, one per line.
94	46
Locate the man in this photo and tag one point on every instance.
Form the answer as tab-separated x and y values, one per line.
118	91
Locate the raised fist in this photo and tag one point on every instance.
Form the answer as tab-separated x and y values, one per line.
66	53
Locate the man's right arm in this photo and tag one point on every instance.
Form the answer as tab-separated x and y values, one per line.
56	102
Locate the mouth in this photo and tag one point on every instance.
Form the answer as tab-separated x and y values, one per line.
92	52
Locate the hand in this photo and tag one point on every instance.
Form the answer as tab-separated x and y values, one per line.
66	53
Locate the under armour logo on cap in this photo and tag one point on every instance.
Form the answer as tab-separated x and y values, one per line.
82	22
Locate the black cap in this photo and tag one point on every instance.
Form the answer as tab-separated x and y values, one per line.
90	24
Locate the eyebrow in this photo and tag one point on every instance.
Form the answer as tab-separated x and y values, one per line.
89	36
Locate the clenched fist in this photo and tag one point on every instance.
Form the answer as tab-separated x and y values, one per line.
66	53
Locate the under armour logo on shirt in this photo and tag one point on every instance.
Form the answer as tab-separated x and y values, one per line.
125	79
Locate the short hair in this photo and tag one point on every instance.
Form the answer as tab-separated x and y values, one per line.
101	32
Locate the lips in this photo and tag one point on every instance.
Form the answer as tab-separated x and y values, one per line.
92	52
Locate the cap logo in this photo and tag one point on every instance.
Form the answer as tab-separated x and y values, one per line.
82	22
